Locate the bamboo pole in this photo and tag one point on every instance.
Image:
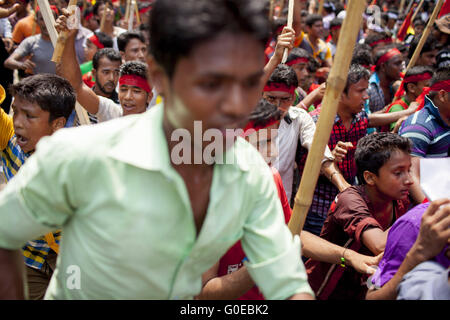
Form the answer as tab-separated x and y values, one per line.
33	28
335	86
62	38
271	10
425	34
417	10
49	20
136	7
321	3
102	21
131	18
410	5
402	6
290	21
127	10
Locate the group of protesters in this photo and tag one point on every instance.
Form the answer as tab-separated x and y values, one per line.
162	155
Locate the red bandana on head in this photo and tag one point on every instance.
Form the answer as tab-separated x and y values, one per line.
441	85
279	87
136	81
297	61
388	56
96	42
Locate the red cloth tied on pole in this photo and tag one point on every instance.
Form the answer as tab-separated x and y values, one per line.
401	34
445	9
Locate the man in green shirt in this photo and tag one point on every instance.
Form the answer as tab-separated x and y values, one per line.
137	223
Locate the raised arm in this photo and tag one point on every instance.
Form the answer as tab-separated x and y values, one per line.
383	119
70	69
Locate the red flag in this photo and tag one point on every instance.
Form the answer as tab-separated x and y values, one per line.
406	23
445	9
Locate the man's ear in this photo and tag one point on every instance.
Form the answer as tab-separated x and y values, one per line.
411	87
94	74
369	177
58	123
158	77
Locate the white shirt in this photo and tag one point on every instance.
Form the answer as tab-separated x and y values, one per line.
302	128
108	109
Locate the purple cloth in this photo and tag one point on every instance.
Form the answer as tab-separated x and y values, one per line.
401	238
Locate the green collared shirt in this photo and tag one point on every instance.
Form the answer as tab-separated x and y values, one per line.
128	227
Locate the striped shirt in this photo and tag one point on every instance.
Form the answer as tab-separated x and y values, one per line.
12	158
429	134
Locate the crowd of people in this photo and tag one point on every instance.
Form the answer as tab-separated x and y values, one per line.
202	115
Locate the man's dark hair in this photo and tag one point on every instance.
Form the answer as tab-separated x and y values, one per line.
336	22
313	66
372	38
429	45
298	53
109	53
313	18
177	27
104	39
374	150
414	71
285	75
136	68
418	21
126	37
355	74
264	113
362	55
50	92
442	74
98	3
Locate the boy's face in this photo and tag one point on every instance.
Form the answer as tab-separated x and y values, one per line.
283	100
89	50
218	84
427	58
393	67
417	88
316	30
107	75
264	141
109	13
133	99
31	123
301	71
135	50
356	96
394	178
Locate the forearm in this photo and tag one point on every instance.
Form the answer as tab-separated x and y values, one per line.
270	67
69	68
319	249
228	287
14	63
12	275
296	21
382	119
332	172
416	192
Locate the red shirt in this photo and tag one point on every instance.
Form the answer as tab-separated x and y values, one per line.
232	260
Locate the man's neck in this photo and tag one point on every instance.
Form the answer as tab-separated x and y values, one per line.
410	97
108	28
380	203
385	82
99	92
345	115
313	40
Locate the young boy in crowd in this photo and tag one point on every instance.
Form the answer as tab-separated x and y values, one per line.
360	216
229	278
42	105
132	46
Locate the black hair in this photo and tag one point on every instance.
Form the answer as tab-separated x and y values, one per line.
313	18
374	37
355	74
313	66
416	71
374	150
285	75
418	21
362	55
298	53
104	39
442	74
264	113
136	68
50	92
109	53
126	37
176	27
429	45
336	22
98	3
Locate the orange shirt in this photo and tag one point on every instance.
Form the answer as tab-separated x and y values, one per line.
24	28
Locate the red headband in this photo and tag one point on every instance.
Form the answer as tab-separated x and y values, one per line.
441	85
418	77
335	27
279	87
373	44
251	128
136	81
96	42
388	56
89	16
297	61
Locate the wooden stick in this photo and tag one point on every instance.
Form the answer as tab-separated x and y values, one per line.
33	28
321	3
62	38
425	34
271	10
402	6
136	7
410	5
49	20
335	86
417	10
290	21
102	22
127	10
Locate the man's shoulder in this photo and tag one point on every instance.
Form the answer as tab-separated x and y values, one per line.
352	196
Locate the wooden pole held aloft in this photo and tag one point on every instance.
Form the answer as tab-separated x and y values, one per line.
62	38
334	88
289	25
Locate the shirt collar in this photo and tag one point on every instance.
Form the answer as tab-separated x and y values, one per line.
143	144
431	107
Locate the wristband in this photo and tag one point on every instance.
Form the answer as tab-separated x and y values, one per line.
343	265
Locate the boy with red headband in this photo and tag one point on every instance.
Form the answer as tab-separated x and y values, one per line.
134	90
429	129
388	65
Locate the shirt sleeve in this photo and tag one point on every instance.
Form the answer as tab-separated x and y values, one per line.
24	48
37	200
353	215
420	137
273	254
6	129
108	110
